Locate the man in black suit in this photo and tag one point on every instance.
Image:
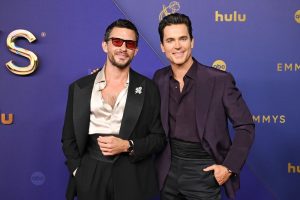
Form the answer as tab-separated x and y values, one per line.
112	126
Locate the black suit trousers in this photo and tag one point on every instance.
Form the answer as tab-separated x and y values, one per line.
94	180
186	180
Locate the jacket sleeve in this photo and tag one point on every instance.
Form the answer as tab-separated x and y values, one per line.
68	140
155	140
243	125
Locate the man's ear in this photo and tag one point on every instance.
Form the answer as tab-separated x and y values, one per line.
136	50
162	48
95	70
192	43
104	46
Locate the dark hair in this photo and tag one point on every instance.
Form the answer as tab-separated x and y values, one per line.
121	23
175	18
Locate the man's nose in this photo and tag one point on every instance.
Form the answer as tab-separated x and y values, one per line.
123	47
177	44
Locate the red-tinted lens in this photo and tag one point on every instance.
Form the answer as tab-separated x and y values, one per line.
130	44
118	42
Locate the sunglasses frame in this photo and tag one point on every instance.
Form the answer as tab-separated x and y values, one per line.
127	43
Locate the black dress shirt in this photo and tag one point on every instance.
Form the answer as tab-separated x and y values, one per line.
182	113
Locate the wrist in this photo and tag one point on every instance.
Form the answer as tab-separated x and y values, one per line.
126	146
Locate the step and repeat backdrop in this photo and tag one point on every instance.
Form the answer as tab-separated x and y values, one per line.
45	45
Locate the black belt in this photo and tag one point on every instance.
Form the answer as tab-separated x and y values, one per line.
190	150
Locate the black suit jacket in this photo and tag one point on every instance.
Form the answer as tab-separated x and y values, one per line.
136	178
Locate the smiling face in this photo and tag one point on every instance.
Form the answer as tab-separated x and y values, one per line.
120	57
177	45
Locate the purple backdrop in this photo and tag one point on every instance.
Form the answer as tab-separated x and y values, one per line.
260	47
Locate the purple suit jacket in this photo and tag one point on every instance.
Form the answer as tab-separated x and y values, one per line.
218	99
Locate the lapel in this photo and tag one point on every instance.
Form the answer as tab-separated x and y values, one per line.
134	104
204	93
164	93
81	109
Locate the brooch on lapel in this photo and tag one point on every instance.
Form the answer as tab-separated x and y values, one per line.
138	90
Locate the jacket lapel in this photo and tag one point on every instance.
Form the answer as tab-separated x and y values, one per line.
164	95
134	104
204	93
81	107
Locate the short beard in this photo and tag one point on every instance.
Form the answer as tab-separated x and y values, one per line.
120	66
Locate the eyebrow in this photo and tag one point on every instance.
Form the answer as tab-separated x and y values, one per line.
170	38
181	37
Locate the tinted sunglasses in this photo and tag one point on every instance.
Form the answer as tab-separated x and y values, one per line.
118	42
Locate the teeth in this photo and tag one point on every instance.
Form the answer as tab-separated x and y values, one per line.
178	53
122	55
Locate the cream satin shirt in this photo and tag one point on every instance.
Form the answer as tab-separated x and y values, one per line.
103	118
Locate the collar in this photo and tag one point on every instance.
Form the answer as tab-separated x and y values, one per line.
191	73
100	80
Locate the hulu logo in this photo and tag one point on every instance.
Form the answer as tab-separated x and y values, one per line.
293	168
232	17
6	119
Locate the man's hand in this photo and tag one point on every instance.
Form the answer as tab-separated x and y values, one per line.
221	173
111	145
95	71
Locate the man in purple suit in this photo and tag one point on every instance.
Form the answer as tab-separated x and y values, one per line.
196	103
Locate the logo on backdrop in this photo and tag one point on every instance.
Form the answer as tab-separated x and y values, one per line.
7	119
269	119
292	169
288	67
37	178
297	16
173	7
230	17
219	64
10	42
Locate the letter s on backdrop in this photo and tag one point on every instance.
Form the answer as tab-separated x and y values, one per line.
10	42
